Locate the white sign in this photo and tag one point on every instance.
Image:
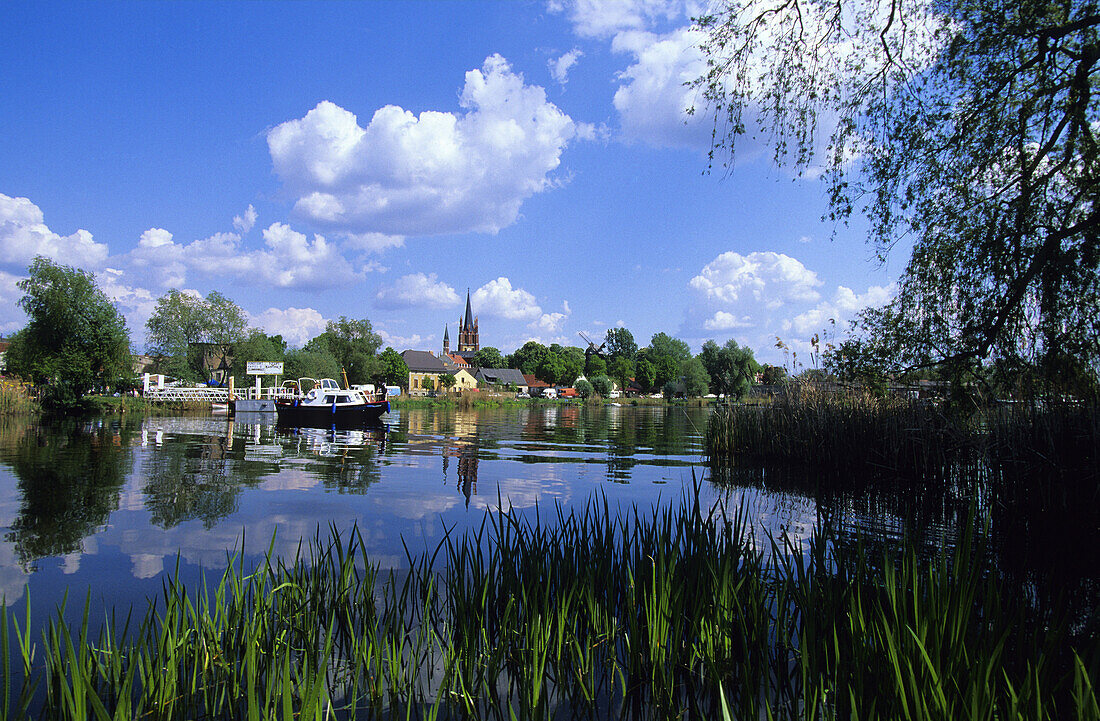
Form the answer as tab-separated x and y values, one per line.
265	368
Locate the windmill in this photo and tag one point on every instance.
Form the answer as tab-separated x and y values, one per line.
590	351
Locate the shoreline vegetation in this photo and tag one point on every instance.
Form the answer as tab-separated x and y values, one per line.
593	613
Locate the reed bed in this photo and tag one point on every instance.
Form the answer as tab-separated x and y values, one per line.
668	613
14	398
855	430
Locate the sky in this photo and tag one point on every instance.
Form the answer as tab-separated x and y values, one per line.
380	160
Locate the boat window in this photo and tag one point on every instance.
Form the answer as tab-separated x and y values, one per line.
330	399
343	399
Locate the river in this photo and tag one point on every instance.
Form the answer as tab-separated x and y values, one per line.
105	508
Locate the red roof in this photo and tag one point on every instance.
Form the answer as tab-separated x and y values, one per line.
458	360
533	382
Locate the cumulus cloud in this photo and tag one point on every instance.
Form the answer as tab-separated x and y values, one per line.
135	303
244	222
12	317
401	343
289	259
653	97
842	307
603	19
373	242
498	298
24	234
417	290
559	67
438	172
772	279
760	296
295	325
552	322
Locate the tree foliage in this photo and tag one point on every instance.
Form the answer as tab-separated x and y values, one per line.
394	371
528	357
696	378
257	346
620	344
75	339
730	367
353	345
966	126
184	327
488	357
602	385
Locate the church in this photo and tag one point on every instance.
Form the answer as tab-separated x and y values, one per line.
468	343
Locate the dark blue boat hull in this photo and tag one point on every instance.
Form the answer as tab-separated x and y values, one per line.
292	413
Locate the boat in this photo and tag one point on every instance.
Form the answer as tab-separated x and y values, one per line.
326	404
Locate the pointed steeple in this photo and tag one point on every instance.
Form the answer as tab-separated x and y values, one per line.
446	340
469	313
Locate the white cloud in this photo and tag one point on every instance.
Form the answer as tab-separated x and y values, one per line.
417	290
559	67
401	343
295	325
434	173
24	234
288	260
244	222
552	322
721	320
653	97
135	303
373	242
498	298
843	306
606	18
768	278
12	317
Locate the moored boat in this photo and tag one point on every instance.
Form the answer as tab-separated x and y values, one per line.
326	404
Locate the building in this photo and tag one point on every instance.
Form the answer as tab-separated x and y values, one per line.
425	370
502	377
468	340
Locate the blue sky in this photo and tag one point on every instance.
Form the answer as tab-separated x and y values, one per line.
375	160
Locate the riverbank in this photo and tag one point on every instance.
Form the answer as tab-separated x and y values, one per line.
652	614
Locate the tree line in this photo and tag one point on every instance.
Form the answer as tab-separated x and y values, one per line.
76	341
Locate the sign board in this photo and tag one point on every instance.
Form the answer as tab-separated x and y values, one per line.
265	368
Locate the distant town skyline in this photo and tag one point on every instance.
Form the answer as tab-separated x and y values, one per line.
373	160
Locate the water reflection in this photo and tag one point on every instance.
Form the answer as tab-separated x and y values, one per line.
69	476
114	501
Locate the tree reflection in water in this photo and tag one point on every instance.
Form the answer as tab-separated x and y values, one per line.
69	475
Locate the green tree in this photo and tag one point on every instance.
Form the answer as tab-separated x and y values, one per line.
550	369
696	379
528	357
584	389
257	346
602	384
621	369
572	365
186	333
967	127
662	345
731	367
488	357
645	374
446	381
620	344
75	339
394	371
597	366
354	345
306	363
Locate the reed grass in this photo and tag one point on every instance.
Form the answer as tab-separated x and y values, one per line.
589	613
14	398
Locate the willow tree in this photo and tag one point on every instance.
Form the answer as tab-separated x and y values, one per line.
966	127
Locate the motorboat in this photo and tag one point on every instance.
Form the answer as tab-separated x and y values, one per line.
325	404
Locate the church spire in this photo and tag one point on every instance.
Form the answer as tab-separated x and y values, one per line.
469	313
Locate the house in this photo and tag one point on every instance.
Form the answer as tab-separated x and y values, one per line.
502	377
534	385
424	371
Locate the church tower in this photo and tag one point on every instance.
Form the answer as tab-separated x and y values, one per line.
446	340
468	343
